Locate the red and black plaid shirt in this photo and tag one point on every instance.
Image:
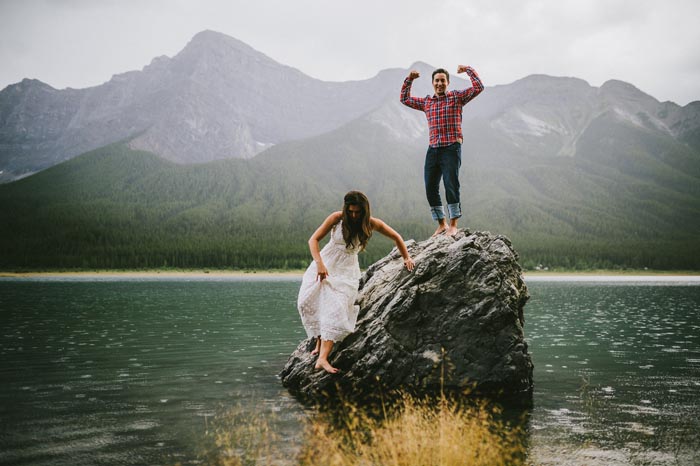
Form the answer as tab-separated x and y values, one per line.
444	113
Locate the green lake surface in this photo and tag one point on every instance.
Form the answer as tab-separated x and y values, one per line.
117	371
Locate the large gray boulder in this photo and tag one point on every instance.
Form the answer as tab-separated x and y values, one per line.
455	324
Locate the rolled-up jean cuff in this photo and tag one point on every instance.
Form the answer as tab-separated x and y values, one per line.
455	210
437	212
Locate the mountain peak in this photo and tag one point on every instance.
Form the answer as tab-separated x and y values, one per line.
28	84
215	50
209	34
421	65
35	83
214	39
624	89
613	84
547	80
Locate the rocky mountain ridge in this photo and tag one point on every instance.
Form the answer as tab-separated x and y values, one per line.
219	98
216	99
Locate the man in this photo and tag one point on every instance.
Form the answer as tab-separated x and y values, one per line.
444	157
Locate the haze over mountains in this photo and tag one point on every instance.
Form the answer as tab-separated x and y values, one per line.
219	99
216	99
549	161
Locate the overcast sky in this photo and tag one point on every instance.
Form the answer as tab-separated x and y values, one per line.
654	45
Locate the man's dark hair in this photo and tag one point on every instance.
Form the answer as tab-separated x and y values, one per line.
441	70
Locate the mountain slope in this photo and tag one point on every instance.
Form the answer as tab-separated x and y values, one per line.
119	208
218	98
575	175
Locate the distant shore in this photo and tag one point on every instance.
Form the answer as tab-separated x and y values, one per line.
273	274
630	272
202	273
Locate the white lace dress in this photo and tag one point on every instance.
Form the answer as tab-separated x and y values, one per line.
328	308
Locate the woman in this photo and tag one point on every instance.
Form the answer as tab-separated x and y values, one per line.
328	290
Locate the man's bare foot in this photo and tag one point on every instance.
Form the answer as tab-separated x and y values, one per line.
440	230
452	230
325	365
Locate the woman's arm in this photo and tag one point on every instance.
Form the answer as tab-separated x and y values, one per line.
319	234
389	232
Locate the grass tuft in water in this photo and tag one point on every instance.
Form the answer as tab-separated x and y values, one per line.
416	432
412	432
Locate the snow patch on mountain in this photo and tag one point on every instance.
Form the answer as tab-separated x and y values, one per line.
516	121
641	119
401	122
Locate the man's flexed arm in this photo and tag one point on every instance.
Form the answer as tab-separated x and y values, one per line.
477	86
406	99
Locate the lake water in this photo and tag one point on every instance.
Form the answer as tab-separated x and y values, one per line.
119	371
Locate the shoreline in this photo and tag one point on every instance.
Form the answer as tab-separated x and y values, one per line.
276	274
260	274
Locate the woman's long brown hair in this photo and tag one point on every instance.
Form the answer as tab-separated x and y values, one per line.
360	230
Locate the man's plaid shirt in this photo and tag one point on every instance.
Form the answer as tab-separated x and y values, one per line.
444	113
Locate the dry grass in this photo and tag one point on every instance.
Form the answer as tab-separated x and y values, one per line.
413	433
419	433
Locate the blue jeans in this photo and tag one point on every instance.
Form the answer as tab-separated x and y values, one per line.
443	162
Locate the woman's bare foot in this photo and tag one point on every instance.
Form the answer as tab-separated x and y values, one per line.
325	365
318	347
440	230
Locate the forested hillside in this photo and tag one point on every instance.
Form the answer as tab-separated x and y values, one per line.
221	157
118	208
